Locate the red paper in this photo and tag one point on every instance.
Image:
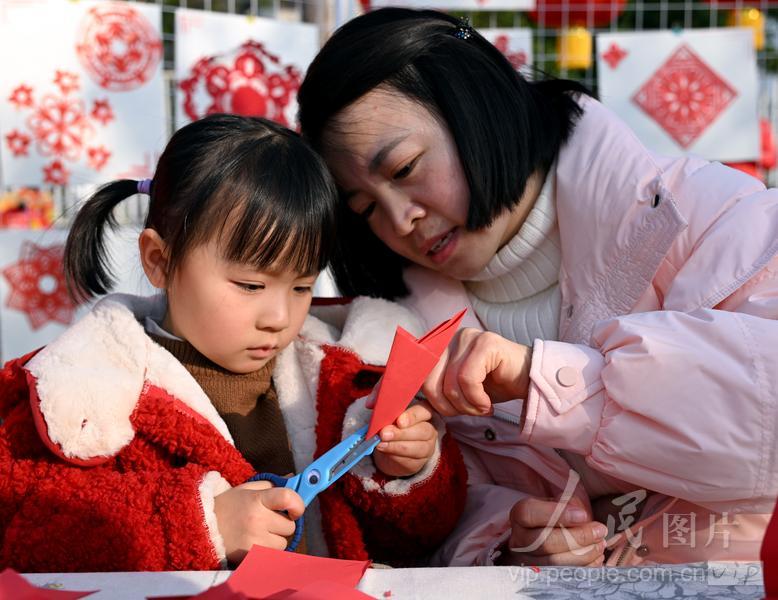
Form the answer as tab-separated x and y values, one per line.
15	587
410	361
325	590
265	572
769	556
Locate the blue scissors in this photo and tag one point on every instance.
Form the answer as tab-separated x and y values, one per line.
323	472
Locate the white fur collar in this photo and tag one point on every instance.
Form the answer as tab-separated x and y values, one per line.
89	379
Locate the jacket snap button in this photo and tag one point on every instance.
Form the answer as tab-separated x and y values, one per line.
567	376
490	435
655	202
642	550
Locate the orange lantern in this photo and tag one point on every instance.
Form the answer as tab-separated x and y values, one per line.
574	48
749	17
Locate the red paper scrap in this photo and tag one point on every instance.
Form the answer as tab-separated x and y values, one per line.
15	587
410	361
769	556
265	572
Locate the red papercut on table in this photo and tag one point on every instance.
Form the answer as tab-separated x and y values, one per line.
769	556
410	361
13	585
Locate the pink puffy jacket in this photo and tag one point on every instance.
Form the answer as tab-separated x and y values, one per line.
669	284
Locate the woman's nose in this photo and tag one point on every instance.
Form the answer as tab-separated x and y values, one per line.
404	213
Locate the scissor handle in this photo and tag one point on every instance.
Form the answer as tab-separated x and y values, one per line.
279	481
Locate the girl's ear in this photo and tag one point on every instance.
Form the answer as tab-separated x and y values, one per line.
153	256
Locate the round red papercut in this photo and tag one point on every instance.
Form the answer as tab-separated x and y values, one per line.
118	47
247	81
60	126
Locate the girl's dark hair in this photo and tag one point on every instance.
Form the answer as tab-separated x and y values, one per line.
252	184
505	127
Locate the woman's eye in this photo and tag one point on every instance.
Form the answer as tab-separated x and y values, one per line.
368	211
405	171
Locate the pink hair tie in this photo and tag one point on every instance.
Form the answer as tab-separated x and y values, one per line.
144	187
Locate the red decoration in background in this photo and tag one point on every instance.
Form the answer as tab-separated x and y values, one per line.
21	97
684	96
61	127
246	81
119	47
586	13
614	55
18	143
38	285
517	59
102	112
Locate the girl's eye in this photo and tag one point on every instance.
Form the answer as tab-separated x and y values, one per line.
405	171
250	287
303	289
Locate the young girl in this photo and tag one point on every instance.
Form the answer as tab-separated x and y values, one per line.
627	302
126	443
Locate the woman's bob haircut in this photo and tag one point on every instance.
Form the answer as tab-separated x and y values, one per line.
505	128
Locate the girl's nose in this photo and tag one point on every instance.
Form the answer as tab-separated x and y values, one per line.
274	316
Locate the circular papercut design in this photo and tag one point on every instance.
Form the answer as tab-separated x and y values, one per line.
118	47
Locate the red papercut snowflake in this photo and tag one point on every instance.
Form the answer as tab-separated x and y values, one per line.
38	285
21	97
98	157
102	111
55	173
247	81
60	126
66	81
119	47
614	55
517	59
18	142
684	96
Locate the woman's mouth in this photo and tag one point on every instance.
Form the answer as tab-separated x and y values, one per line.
443	248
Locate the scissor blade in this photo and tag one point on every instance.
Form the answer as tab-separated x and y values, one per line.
354	456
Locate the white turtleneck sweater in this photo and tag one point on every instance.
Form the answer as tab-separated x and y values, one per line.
517	294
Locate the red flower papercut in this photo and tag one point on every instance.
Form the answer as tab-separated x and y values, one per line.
118	47
60	126
56	173
66	81
97	157
18	143
102	112
614	55
247	81
38	286
21	97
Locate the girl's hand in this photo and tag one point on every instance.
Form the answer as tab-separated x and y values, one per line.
477	369
407	445
249	514
537	540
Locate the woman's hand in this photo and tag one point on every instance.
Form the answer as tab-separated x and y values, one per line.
250	514
479	368
407	445
537	539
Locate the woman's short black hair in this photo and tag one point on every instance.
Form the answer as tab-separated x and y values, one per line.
254	186
505	127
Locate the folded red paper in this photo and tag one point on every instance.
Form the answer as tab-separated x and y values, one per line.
410	361
14	586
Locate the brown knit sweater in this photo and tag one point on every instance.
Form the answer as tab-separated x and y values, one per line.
248	404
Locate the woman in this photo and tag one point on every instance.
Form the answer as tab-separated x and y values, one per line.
626	302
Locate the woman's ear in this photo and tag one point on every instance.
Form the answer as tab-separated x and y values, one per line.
153	256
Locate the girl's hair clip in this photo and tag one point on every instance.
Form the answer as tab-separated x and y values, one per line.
463	31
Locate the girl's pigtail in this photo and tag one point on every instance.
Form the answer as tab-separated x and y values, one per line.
87	266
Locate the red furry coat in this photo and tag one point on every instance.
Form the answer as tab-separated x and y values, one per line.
111	454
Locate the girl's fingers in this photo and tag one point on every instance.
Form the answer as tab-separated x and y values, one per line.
413	449
418	413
